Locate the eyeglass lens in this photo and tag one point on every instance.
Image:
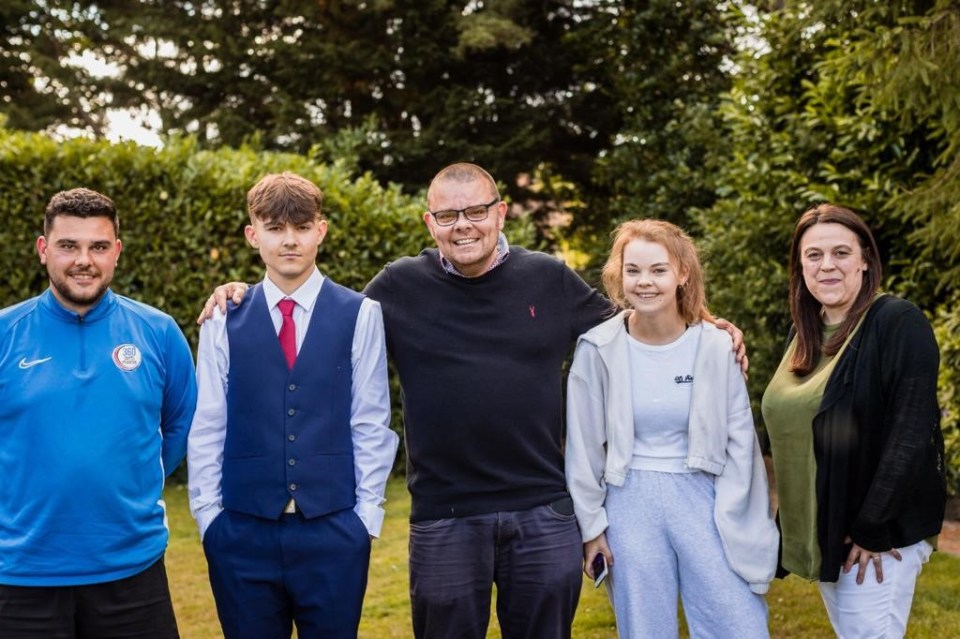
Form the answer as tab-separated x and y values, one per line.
473	213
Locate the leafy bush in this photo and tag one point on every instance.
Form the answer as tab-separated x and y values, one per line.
852	103
182	213
947	328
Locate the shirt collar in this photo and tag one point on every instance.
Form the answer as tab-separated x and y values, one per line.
503	252
305	296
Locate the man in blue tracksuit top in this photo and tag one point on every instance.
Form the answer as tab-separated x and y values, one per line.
96	396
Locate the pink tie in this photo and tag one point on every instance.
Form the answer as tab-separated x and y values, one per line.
288	331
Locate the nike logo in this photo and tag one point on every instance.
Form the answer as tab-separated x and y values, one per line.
25	364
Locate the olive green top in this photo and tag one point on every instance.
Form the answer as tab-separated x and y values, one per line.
789	405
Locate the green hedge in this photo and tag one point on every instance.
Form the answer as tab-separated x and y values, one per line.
182	213
947	328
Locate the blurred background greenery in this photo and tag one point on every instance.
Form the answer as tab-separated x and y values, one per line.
727	117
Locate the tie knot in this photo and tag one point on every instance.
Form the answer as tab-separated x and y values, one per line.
286	307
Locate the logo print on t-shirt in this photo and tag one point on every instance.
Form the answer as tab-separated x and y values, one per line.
533	311
683	379
127	357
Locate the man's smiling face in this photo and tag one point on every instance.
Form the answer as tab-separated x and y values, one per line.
470	246
80	254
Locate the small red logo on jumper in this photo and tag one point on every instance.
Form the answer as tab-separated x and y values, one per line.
533	311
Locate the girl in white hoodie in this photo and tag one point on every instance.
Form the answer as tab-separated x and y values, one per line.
662	458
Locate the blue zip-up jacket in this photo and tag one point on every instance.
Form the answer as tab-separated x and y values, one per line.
94	413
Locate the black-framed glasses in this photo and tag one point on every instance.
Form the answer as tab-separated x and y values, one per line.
476	213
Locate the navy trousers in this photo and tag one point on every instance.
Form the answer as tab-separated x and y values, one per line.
533	556
269	574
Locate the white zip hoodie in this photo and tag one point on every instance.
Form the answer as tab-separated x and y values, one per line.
722	442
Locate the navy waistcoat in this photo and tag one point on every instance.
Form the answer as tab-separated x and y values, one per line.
288	431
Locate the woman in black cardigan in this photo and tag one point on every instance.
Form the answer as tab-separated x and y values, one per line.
854	429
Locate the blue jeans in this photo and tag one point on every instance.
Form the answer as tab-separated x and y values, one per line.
533	556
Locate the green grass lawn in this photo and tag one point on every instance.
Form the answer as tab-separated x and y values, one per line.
795	608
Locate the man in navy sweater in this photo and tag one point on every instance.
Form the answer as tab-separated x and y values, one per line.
478	331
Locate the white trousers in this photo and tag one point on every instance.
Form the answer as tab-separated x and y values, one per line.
874	610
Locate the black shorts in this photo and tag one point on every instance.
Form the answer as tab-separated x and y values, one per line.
138	607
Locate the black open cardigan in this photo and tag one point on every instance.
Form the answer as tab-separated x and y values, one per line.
877	440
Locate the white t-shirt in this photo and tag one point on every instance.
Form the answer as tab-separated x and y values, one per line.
661	377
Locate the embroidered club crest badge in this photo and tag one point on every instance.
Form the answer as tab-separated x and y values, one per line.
127	357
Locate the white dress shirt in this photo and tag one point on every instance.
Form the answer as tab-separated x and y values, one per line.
374	444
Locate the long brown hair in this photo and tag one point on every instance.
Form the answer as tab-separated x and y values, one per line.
805	309
691	297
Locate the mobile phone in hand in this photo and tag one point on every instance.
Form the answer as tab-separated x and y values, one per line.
599	569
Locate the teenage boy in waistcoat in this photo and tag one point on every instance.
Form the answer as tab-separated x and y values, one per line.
290	447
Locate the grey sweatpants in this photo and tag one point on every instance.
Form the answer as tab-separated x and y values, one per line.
664	541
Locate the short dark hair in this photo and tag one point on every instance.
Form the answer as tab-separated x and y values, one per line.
463	173
805	309
284	198
80	202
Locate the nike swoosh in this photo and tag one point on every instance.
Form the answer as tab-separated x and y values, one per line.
25	364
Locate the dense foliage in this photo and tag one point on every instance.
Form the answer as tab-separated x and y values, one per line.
854	103
729	118
38	88
666	89
182	213
609	97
